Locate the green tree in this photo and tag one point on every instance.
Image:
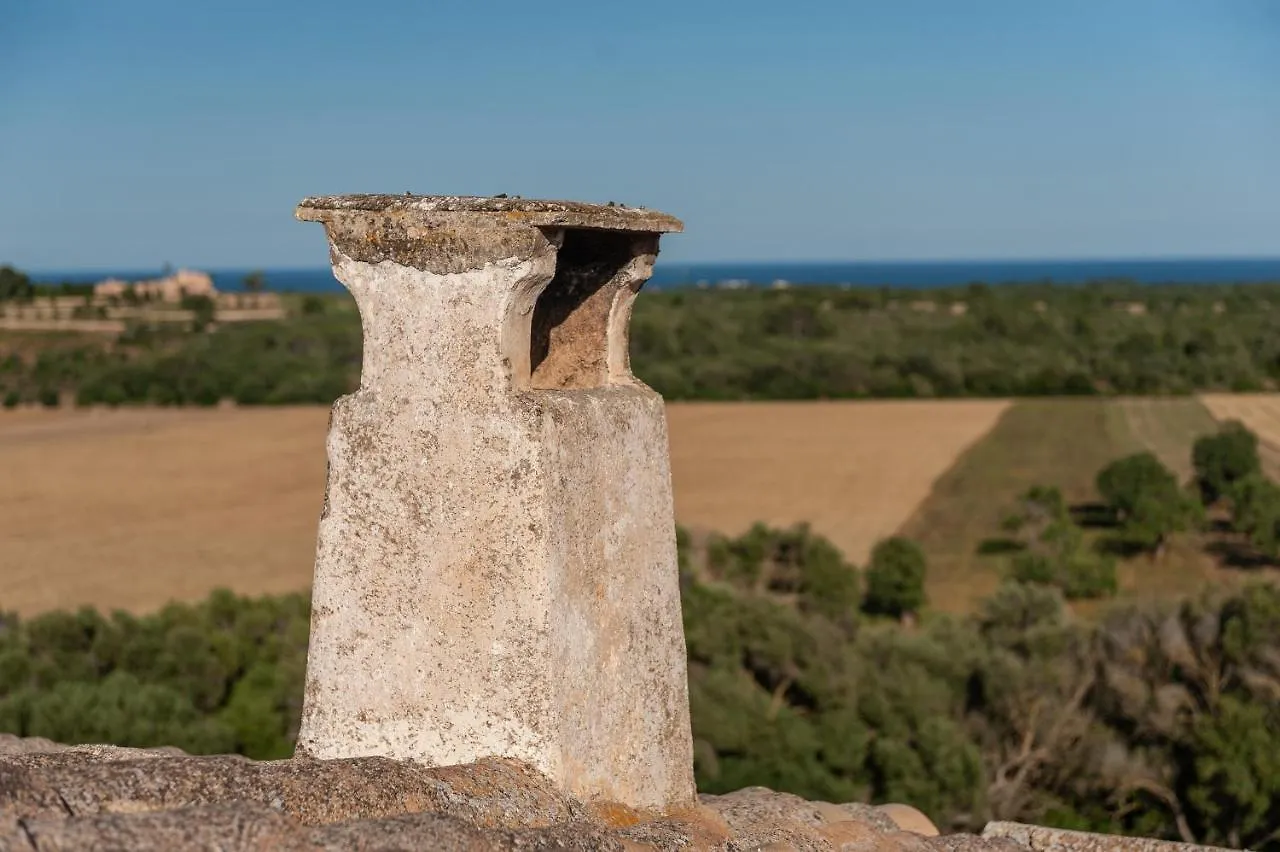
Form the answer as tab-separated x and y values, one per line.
14	285
255	282
895	578
1156	719
1146	499
1059	556
203	310
120	710
1125	481
1235	791
1255	511
1224	458
790	562
1158	514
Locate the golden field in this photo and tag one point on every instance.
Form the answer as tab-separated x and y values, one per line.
133	508
855	471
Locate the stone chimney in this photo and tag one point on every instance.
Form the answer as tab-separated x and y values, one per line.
496	565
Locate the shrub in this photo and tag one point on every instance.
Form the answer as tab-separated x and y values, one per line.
1223	459
1255	510
790	561
895	578
225	675
203	310
1146	499
1088	575
1073	568
1034	568
1126	481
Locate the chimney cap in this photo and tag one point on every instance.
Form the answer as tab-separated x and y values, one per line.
534	212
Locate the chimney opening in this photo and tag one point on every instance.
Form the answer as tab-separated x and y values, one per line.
568	340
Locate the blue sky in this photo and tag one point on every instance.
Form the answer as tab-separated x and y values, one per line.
134	133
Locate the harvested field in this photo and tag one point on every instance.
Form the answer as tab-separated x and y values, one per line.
1167	427
854	470
1261	413
133	508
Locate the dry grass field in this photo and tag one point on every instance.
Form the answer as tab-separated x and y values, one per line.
131	509
1062	442
1165	426
853	470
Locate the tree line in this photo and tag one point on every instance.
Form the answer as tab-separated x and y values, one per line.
1101	338
806	675
312	358
1034	339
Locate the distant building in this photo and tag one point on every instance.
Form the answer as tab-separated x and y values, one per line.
109	288
171	288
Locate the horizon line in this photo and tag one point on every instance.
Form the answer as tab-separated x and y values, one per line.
930	261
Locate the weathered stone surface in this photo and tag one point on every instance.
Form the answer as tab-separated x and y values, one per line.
759	817
216	828
23	794
59	798
446	834
496	568
973	843
694	827
11	745
908	818
529	211
494	793
37	751
66	801
1040	839
453	234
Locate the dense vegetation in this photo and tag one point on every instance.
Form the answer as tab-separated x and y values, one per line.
313	358
1229	503
1107	337
1160	719
1010	340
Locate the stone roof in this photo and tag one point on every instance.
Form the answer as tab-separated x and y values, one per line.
55	797
58	797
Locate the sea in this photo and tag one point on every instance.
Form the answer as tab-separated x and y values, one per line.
905	274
